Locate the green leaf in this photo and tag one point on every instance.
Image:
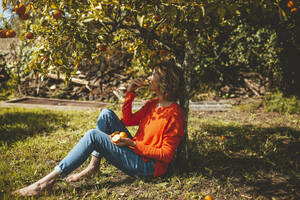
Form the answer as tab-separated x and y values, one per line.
141	20
60	62
53	6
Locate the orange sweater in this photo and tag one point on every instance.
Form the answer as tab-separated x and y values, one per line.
159	133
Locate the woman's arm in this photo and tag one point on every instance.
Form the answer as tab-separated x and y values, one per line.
129	118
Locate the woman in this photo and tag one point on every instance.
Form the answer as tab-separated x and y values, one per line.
148	153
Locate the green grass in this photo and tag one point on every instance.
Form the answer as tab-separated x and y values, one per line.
259	159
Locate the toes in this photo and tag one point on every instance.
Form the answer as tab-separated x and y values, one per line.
69	179
16	192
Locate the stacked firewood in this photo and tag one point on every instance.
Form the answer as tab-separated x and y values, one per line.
245	84
104	81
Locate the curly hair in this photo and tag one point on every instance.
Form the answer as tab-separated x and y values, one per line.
171	79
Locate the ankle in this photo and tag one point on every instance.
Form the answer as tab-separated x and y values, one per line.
45	184
93	166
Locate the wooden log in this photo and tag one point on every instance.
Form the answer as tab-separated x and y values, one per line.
252	86
74	80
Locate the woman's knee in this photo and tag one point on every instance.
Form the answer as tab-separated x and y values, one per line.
91	134
106	112
94	133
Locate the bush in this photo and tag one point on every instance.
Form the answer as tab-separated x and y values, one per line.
237	52
276	102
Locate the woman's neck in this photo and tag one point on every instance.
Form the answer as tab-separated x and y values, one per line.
162	102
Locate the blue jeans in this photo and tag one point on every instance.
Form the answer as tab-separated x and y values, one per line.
97	142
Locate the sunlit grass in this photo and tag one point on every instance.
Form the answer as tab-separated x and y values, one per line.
258	159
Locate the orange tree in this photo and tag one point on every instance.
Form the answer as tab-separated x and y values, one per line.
65	32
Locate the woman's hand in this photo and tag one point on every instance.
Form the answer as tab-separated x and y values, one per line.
123	142
135	84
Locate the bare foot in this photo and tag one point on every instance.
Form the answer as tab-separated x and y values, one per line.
90	170
34	189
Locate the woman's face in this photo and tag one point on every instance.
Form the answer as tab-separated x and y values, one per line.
154	81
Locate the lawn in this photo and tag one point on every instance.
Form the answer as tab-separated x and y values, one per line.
258	157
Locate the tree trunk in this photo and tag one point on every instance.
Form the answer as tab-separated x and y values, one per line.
183	157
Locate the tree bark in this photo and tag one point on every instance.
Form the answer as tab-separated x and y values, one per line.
183	157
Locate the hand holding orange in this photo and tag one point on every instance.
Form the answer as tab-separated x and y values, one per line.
116	136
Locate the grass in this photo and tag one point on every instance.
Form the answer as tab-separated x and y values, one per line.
259	159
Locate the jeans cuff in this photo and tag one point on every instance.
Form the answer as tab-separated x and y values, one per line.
96	154
58	170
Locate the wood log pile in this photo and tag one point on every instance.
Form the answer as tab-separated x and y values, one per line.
247	84
104	81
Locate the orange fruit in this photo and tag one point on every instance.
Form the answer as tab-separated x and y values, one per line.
153	53
10	34
123	135
208	197
57	14
164	29
102	48
20	9
116	138
115	133
44	58
223	138
29	35
294	9
290	4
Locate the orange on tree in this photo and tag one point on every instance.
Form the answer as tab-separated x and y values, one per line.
44	58
102	48
29	35
57	14
294	9
164	29
153	53
223	137
290	4
10	33
20	9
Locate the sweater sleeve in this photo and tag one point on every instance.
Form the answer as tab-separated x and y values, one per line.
171	140
129	118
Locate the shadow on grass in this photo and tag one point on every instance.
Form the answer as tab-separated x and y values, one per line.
265	161
109	183
18	124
